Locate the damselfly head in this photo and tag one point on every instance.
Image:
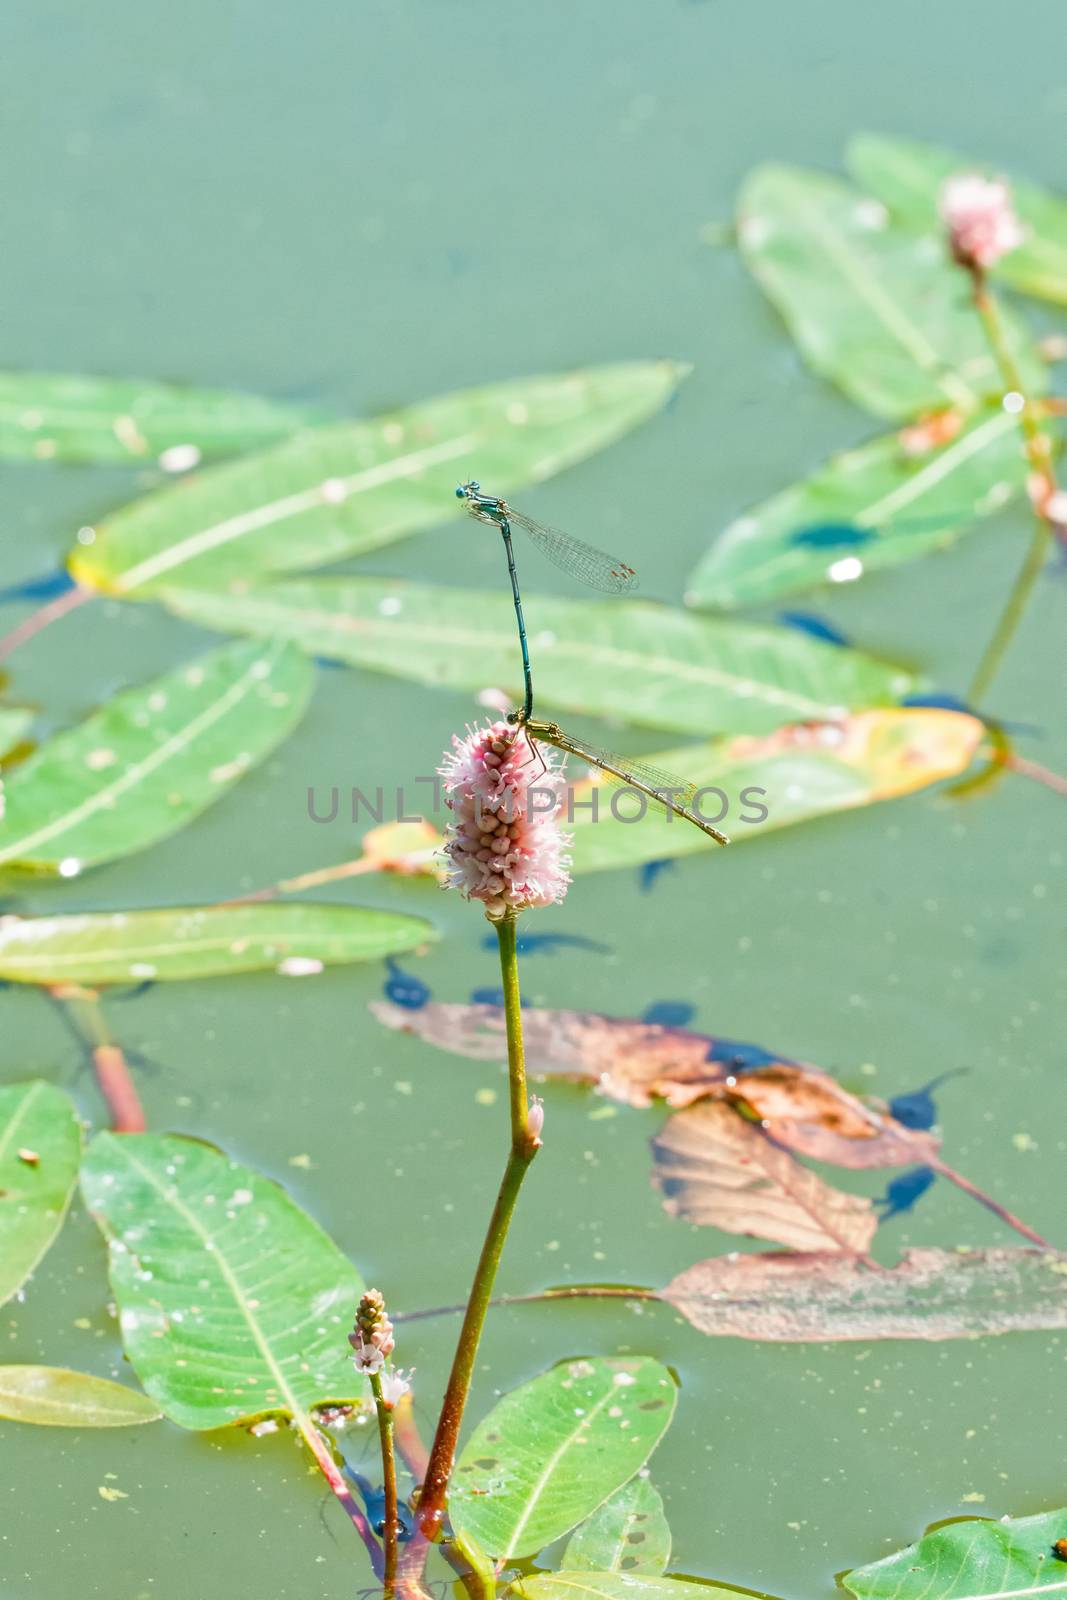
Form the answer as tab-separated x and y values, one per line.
467	491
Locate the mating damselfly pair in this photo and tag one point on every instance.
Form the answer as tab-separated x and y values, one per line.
600	571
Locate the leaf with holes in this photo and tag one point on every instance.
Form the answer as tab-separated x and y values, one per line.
930	1294
40	1146
152	759
614	1586
751	786
970	1560
628	1533
54	416
330	492
54	1397
716	1168
633	660
97	947
890	501
907	176
555	1448
879	311
233	1303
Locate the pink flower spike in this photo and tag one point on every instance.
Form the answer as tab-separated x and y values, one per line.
505	847
535	1119
980	218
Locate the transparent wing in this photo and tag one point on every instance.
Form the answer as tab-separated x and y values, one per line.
582	561
622	769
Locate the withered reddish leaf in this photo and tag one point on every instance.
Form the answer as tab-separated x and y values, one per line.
634	1062
809	1112
715	1167
931	1294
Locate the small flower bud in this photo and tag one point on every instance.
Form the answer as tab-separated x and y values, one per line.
372	1338
535	1118
980	218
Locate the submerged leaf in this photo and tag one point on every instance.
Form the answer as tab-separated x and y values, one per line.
628	1533
633	660
40	1145
891	500
49	416
970	1560
233	1303
931	1294
718	1169
614	1586
879	311
798	773
152	758
555	1448
96	947
907	177
332	491
54	1397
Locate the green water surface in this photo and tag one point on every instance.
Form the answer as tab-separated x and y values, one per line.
365	203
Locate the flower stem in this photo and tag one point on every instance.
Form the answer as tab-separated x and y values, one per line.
1042	491
391	1524
40	619
524	1147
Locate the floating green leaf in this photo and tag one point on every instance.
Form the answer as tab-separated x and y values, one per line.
929	1294
879	311
50	416
636	661
628	1533
96	947
793	775
555	1448
614	1586
40	1144
970	1561
152	759
54	1397
890	501
233	1303
330	492
907	176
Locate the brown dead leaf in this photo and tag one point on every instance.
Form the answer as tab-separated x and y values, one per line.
717	1168
809	1112
931	1294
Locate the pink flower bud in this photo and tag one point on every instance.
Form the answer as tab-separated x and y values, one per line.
535	1118
981	221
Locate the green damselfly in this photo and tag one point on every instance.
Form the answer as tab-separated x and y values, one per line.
582	561
663	788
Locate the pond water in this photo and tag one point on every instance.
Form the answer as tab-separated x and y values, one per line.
359	205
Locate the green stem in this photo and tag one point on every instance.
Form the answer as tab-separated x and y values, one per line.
1039	455
523	1149
391	1523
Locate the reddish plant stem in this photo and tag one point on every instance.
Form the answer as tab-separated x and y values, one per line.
335	1478
987	1200
118	1089
110	1065
413	1452
41	618
1035	772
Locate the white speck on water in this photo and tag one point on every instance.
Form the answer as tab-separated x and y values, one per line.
86	536
179	458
